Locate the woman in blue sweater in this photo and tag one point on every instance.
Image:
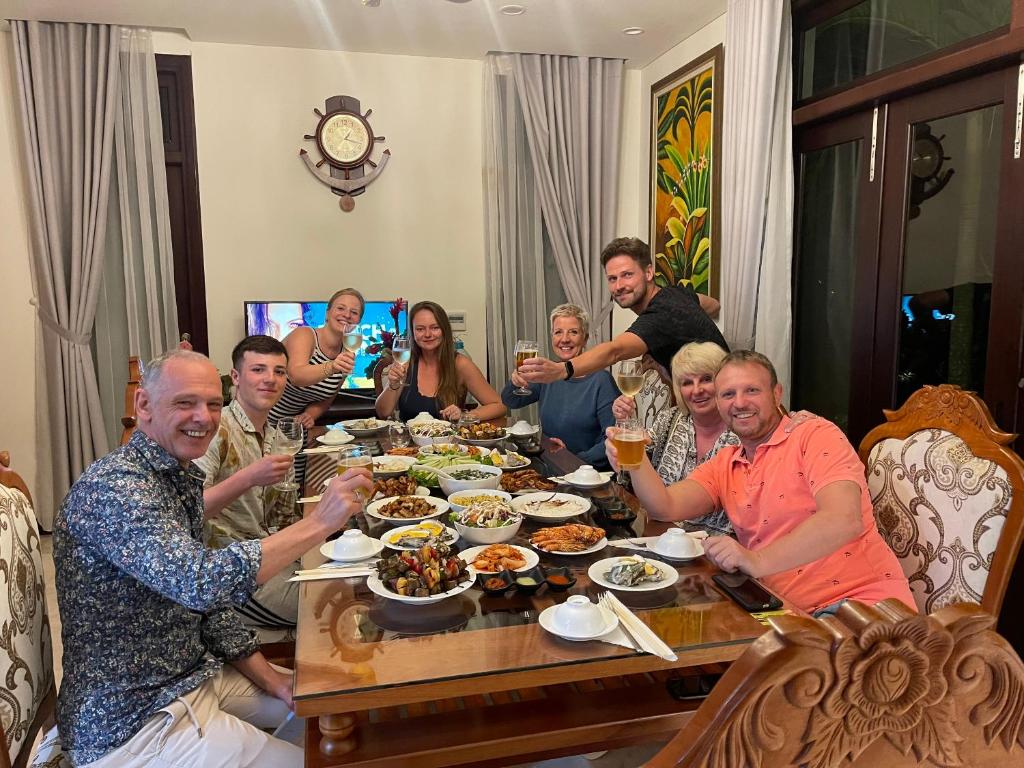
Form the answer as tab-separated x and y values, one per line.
574	413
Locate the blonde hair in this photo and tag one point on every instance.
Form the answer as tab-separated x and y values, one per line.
575	312
694	359
349	292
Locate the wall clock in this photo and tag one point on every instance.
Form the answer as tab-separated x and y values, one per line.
345	142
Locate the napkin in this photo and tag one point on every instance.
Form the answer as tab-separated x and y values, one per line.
321	449
643	634
319	574
310	499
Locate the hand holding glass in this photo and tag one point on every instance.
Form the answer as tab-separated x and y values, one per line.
524	351
629	439
350	456
288	442
352	339
401	350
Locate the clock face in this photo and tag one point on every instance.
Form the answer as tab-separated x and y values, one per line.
345	139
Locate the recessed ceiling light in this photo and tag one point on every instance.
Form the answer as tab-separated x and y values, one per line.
633	31
512	10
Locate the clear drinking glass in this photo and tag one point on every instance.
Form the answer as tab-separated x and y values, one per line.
524	351
629	439
288	442
350	456
401	351
352	339
398	433
629	377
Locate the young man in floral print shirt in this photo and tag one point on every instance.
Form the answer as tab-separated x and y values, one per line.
158	668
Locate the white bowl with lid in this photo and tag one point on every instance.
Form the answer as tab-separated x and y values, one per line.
352	545
578	619
677	544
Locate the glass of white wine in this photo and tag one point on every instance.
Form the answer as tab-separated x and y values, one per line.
401	350
629	377
524	351
352	339
288	442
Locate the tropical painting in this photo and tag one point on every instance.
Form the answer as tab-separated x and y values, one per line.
685	133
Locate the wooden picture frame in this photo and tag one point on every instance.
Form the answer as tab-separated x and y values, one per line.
685	174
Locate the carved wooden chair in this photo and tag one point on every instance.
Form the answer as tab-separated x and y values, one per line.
134	379
654	396
879	687
28	694
948	494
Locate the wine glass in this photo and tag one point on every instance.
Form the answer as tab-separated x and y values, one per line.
355	456
352	338
401	350
287	442
524	351
629	377
628	439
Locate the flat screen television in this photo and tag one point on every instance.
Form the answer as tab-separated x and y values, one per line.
279	318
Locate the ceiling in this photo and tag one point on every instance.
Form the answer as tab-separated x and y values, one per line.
463	29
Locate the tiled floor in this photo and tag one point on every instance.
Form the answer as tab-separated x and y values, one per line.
622	758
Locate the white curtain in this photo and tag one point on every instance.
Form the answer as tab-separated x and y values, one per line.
757	181
137	314
67	89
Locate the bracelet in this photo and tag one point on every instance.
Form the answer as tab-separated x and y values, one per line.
394	389
328	369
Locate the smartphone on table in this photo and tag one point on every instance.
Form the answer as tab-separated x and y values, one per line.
746	592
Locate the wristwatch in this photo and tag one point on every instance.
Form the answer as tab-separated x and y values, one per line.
569	370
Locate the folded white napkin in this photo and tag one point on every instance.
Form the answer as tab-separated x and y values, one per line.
643	634
321	449
332	573
310	499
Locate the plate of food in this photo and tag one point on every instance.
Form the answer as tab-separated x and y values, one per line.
403	450
392	466
387	487
510	460
335	437
413	537
490	520
421	577
481	433
550	507
427	433
569	539
525	481
492	558
364	427
407	509
632	574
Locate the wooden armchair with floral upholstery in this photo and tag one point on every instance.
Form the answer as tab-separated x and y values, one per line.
948	494
655	395
28	695
871	687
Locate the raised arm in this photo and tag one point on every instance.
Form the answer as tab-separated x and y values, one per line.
709	305
623	347
299	344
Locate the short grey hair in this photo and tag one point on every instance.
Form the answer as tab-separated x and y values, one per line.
152	372
572	311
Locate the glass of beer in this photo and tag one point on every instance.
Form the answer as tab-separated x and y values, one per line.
524	351
629	377
629	440
355	456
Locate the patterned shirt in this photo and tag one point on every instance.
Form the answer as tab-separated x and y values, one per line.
146	609
236	445
673	453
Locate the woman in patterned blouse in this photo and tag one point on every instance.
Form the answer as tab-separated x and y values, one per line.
691	432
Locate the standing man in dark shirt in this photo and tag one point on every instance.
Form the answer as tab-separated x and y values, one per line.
668	317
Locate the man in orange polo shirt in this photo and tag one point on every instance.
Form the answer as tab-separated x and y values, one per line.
797	500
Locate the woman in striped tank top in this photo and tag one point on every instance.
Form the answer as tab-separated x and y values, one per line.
318	365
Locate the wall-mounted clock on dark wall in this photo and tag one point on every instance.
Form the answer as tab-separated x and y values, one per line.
345	142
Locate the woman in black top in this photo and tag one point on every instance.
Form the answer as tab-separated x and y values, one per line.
438	378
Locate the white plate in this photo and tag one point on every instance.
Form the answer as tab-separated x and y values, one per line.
405	461
596	548
576	507
440	507
489	442
598	569
377	587
518	465
421	490
605	479
395	532
346	438
348	425
547	621
327	550
532	558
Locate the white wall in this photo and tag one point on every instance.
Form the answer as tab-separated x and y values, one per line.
699	42
271	231
17	318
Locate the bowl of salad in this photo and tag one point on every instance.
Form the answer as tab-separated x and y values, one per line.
487	521
470	476
430	432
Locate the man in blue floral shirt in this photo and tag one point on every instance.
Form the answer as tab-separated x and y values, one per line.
147	609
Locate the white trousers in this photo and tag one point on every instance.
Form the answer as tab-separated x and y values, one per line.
215	726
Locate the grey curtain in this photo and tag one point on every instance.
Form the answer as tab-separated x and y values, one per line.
572	114
68	88
136	313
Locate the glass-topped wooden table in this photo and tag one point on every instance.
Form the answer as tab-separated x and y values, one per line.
357	652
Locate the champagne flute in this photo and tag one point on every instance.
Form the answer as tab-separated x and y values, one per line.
524	351
628	439
629	377
355	456
288	442
401	350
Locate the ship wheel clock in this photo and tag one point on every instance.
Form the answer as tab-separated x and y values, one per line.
345	142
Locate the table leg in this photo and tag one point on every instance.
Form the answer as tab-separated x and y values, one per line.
337	734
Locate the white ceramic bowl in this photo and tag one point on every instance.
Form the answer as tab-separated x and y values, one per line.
404	461
454	486
456	507
335	437
676	543
353	544
488	535
585	474
426	439
523	429
579	617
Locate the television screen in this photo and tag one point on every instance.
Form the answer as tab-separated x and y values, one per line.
279	318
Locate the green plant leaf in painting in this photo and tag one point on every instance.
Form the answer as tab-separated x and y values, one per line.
664	269
701	251
677	160
676	228
680	205
699	212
